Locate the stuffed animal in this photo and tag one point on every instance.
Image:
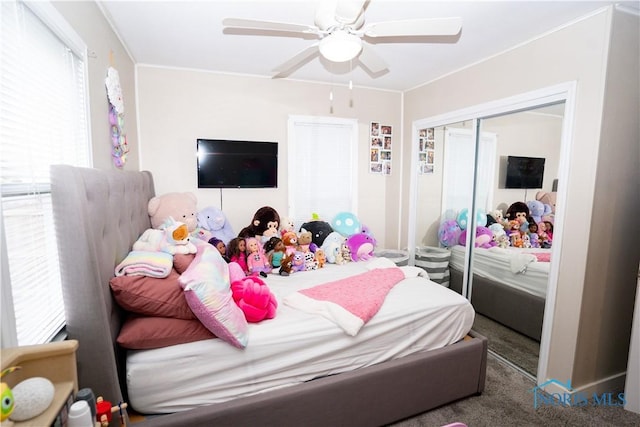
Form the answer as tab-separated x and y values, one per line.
346	224
257	262
290	241
449	233
173	238
286	224
310	262
319	230
264	224
497	216
484	238
345	252
286	267
361	245
331	246
321	258
518	211
304	241
181	207
481	218
297	261
212	220
548	198
537	209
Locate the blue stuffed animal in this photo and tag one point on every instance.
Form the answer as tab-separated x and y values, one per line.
213	223
537	210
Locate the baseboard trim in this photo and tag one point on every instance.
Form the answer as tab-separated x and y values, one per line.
612	384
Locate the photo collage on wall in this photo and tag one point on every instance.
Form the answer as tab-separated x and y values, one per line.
380	144
426	150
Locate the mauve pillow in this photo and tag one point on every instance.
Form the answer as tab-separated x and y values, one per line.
152	296
143	332
182	261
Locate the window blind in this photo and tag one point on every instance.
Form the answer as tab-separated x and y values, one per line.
322	169
43	121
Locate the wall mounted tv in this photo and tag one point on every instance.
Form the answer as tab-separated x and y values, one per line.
524	172
224	163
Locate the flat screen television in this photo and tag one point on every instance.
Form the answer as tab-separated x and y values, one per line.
524	172
224	163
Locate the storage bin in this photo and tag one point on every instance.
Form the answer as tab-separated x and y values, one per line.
397	256
434	261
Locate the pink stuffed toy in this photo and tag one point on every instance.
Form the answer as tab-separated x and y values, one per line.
252	295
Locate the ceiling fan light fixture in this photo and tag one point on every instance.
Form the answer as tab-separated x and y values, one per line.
340	46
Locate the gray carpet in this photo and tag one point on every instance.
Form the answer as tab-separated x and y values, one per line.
519	349
508	401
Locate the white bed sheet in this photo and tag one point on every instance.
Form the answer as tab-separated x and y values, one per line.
498	264
417	315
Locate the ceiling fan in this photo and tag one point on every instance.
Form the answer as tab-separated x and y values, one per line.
341	29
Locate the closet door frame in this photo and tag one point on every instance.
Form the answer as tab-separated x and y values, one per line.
545	96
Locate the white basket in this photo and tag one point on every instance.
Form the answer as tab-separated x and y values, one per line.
434	261
397	256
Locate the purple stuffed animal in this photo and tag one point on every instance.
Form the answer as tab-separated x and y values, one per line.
484	238
361	245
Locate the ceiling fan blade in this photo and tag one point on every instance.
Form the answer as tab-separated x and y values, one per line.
415	27
297	61
371	60
347	11
268	25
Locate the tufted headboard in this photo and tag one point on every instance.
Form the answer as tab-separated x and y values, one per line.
97	215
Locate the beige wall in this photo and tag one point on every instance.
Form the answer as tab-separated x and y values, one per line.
614	253
576	53
178	106
105	50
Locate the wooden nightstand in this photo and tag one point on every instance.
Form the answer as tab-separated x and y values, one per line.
55	361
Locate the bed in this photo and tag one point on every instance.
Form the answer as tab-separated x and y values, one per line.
509	285
100	214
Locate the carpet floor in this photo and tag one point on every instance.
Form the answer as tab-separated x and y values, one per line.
508	401
518	349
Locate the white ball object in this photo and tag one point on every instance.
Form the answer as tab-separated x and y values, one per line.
32	397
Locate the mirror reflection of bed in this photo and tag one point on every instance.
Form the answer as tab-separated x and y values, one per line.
507	277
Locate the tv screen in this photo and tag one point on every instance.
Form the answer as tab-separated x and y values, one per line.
524	172
224	163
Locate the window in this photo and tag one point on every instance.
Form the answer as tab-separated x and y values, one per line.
322	167
43	121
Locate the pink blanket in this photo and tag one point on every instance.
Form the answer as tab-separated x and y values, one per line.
350	302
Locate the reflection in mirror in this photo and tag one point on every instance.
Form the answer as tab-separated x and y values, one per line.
510	267
444	190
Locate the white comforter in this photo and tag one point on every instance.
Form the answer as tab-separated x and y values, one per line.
296	346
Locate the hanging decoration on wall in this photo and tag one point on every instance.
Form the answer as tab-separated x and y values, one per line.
119	146
380	148
426	150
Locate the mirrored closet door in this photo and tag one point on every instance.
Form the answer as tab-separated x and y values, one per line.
476	205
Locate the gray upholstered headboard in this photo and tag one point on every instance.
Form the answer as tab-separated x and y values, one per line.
97	215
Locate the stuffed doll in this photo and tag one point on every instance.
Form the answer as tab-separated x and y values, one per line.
179	206
221	247
237	252
257	262
264	224
275	251
212	222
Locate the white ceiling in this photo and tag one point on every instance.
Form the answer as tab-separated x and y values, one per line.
189	34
